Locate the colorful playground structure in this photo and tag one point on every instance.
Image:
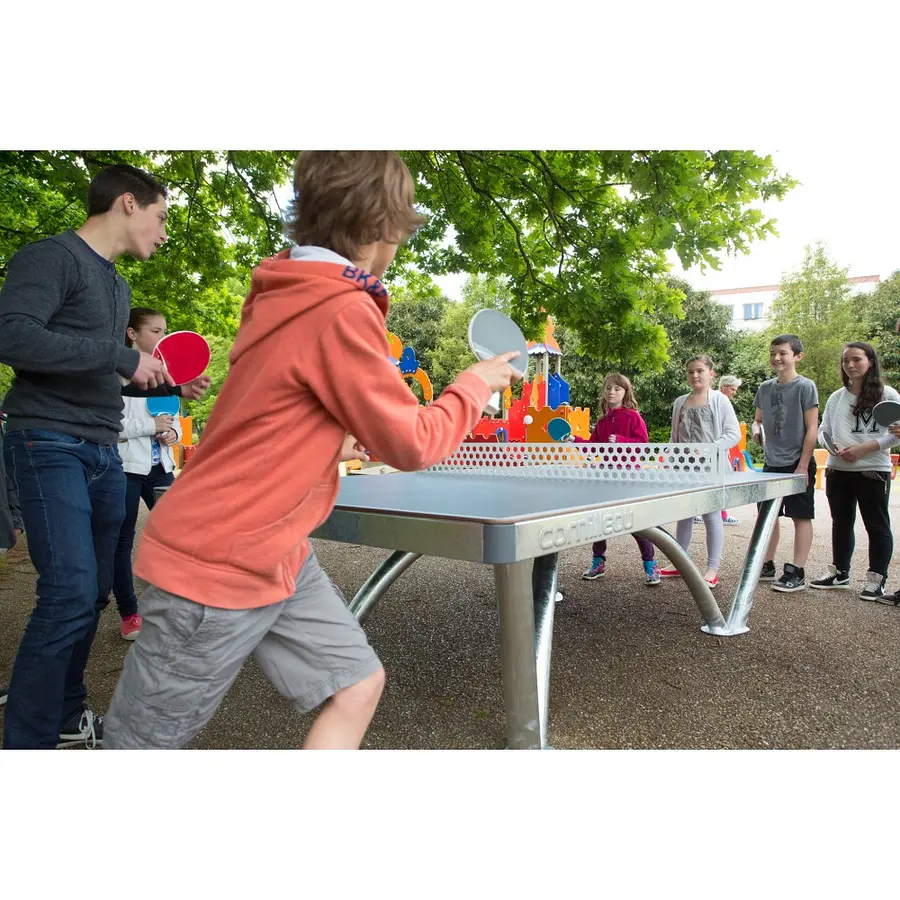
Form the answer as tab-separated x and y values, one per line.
404	358
522	419
544	398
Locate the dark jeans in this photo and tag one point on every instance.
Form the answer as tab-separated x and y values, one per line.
845	491
137	486
648	551
72	494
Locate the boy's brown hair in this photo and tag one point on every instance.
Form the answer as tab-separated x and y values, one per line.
110	183
628	401
345	199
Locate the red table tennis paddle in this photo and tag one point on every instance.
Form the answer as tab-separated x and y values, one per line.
185	354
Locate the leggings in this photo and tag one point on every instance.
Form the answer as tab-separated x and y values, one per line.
845	491
715	537
137	486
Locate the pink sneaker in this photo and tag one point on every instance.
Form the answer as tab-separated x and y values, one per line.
131	627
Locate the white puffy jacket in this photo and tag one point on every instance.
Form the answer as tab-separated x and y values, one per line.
138	429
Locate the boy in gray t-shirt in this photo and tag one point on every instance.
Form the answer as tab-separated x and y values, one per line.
787	407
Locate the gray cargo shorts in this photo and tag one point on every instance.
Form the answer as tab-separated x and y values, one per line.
188	654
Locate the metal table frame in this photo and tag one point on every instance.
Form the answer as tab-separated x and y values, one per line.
524	555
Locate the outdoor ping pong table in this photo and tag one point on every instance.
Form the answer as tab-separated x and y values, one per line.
476	509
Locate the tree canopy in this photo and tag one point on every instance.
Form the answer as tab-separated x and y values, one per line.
816	303
581	235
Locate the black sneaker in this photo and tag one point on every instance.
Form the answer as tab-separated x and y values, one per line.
837	578
792	580
889	599
82	728
768	571
874	588
4	693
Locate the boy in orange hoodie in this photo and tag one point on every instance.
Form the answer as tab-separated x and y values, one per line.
226	551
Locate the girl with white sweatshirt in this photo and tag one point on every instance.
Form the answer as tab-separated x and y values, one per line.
145	445
859	474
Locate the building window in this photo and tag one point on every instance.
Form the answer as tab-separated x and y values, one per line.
753	311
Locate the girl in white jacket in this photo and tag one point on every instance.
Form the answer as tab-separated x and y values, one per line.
704	416
145	446
859	474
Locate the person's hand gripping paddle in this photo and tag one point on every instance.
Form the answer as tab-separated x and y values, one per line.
185	355
491	333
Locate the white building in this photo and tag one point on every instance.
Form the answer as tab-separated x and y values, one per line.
750	306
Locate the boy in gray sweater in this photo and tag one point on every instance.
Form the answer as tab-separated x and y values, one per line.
63	314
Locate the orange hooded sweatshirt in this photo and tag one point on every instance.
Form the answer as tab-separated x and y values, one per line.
309	364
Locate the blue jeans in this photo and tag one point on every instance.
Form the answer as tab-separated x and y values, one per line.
72	494
137	486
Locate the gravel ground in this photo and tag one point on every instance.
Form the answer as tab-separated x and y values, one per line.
631	669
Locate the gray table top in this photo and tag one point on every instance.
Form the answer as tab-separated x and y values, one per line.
500	500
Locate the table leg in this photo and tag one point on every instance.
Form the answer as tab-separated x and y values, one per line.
543	586
515	604
756	556
379	581
703	596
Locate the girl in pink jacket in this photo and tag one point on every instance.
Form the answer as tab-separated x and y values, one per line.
620	422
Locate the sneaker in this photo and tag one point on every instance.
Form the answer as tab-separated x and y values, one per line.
669	573
698	520
874	587
131	627
714	582
768	571
792	580
886	599
82	728
731	520
836	578
651	573
4	693
597	569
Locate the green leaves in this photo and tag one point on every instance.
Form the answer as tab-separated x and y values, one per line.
581	235
815	303
880	314
222	220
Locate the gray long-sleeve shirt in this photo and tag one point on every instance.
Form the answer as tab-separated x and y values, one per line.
63	315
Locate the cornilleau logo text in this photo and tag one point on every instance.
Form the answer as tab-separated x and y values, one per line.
591	528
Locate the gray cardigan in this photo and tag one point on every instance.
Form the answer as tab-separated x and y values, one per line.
727	426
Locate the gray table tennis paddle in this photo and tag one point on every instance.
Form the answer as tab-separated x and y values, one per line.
492	333
887	413
829	443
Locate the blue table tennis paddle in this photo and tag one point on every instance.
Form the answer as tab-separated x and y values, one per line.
163	406
558	429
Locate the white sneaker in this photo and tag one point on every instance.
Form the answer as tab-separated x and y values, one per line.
874	588
731	520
